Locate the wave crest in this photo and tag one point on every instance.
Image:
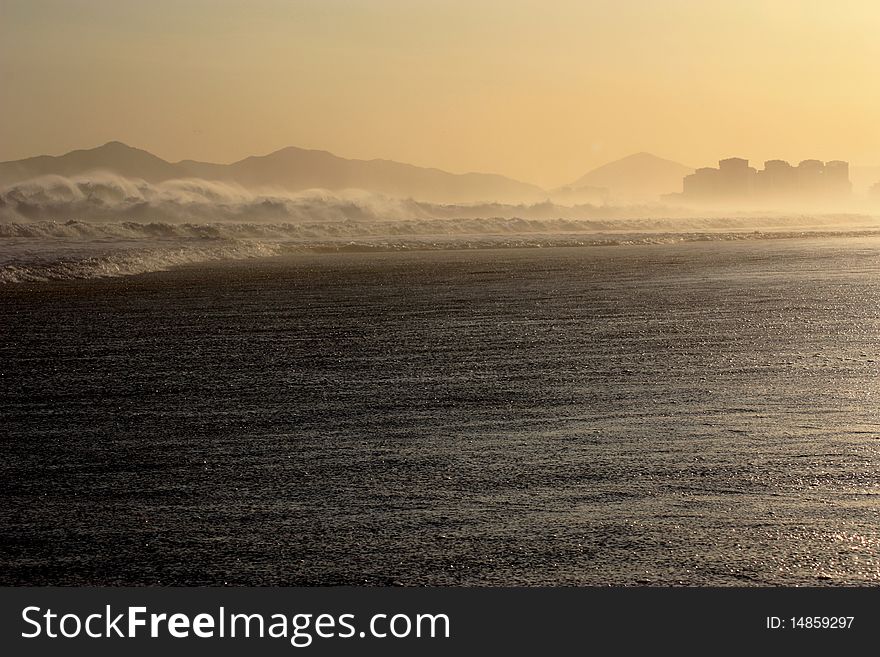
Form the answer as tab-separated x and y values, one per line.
126	261
57	228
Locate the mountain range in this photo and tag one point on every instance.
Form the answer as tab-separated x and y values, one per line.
641	176
289	169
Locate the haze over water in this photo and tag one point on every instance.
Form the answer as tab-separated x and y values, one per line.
417	293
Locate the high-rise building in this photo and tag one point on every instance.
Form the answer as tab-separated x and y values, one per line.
837	178
810	178
735	180
701	184
777	180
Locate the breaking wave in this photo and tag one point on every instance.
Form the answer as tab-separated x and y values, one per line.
310	231
69	262
104	196
49	251
107	197
56	228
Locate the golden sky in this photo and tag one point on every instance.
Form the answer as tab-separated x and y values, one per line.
541	91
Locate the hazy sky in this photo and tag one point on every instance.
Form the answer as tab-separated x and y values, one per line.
542	91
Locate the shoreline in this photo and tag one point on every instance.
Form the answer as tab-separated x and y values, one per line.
162	257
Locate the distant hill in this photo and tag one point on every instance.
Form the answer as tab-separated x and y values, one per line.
641	176
112	156
291	169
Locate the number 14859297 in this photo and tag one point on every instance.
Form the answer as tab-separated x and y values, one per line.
810	622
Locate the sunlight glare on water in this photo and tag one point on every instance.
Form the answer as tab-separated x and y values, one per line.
688	414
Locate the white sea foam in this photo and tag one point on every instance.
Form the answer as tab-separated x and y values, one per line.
68	262
56	228
107	197
46	251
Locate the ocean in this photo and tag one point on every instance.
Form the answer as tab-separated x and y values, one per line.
607	411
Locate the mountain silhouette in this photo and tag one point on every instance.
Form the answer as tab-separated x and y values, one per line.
640	176
113	156
290	169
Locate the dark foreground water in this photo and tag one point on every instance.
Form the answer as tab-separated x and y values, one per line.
685	414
